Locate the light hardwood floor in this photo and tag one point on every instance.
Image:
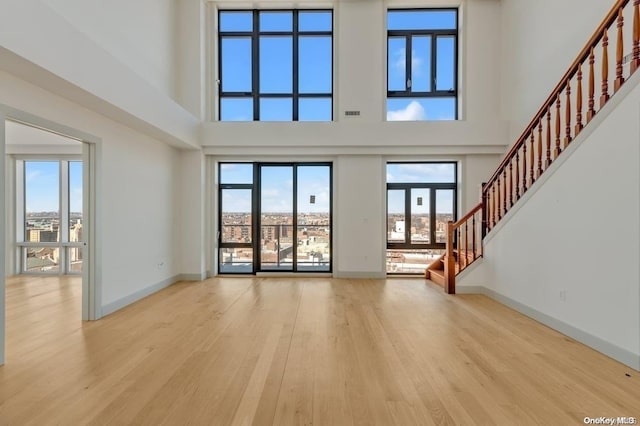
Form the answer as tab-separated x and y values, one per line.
297	351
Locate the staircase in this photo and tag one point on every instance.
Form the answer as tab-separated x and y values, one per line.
568	109
436	271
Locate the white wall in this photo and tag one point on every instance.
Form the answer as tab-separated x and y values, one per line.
360	84
360	146
140	34
475	169
190	217
3	229
360	59
136	192
579	234
191	56
44	48
544	37
360	233
10	216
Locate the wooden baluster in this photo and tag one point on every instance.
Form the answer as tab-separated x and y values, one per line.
518	173
449	264
499	196
548	161
579	102
605	70
510	183
459	250
524	167
635	58
558	150
480	244
567	116
504	199
533	162
619	81
592	87
466	243
473	236
493	205
539	148
485	223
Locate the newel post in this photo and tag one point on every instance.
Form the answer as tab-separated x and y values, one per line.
449	264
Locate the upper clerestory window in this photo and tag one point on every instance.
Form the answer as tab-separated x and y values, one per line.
422	68
275	65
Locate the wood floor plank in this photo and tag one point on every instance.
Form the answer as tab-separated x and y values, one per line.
284	351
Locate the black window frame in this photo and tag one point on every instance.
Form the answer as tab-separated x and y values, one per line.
256	212
433	188
434	34
255	35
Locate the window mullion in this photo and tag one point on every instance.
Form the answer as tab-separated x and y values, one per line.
407	215
295	66
255	65
63	214
407	62
434	67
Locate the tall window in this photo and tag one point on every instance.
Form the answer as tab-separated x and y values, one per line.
49	212
274	217
422	64
275	65
420	201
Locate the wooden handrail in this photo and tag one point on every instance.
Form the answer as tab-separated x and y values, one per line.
573	69
547	136
464	245
466	217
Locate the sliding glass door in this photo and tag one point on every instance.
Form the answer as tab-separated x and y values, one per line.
274	217
235	234
313	213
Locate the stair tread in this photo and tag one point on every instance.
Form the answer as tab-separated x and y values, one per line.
438	272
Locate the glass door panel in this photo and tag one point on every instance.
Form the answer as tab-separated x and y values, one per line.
420	216
236	216
396	216
236	252
313	218
276	218
444	213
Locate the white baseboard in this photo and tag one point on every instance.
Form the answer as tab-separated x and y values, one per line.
619	354
360	274
140	294
192	277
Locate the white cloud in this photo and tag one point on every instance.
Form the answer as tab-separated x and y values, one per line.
417	172
400	59
413	112
32	176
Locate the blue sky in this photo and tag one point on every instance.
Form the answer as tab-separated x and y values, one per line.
276	66
42	186
315	66
277	188
416	173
